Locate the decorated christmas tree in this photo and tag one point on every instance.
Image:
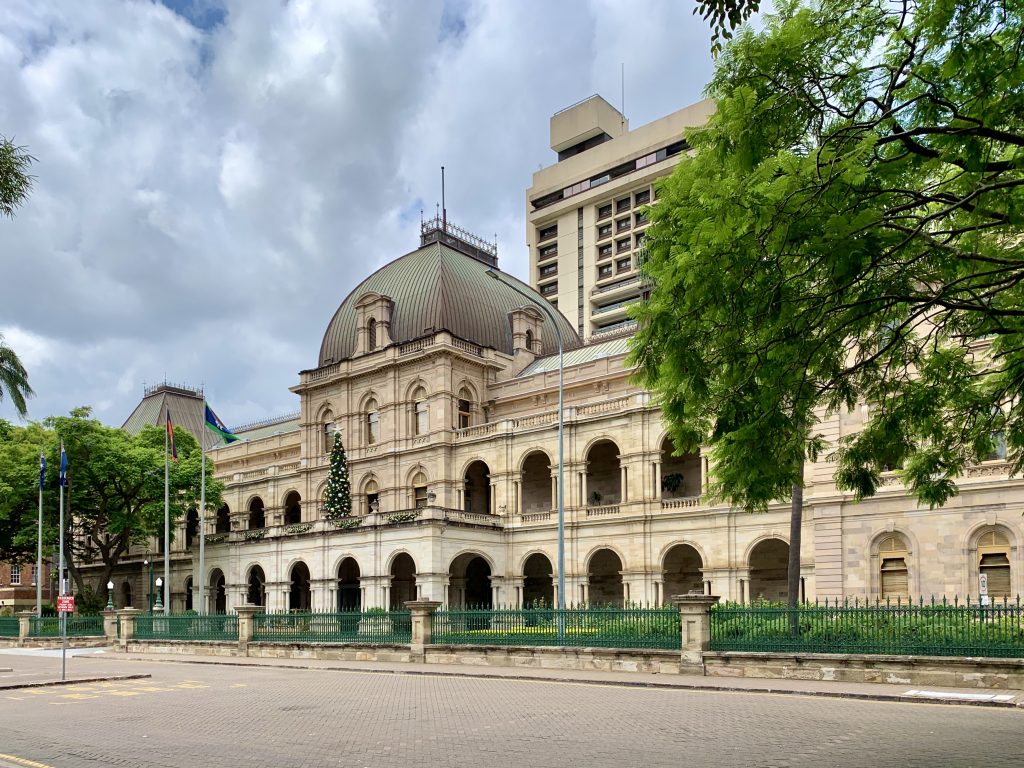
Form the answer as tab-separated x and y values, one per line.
337	494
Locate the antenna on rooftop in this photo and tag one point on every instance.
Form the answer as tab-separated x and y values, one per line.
444	210
623	102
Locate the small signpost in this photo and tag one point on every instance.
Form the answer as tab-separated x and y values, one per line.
65	603
983	588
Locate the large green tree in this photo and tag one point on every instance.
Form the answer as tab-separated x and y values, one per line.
847	229
115	496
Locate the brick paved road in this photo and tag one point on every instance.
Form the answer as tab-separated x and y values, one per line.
212	716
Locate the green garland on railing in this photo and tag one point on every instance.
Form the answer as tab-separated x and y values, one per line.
255	534
402	517
298	528
347	522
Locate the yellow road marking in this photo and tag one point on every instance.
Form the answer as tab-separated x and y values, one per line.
79	696
23	761
122	693
238	685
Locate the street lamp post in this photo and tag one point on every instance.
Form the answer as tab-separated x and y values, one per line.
159	607
546	308
110	595
149	595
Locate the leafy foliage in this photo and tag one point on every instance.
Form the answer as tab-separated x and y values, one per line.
338	494
848	229
13	379
15	180
115	496
725	16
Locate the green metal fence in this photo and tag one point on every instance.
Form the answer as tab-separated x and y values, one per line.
576	627
78	626
898	628
9	626
186	626
371	627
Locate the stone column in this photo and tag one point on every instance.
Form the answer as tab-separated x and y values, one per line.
422	627
126	617
246	625
657	481
695	623
24	625
623	482
110	626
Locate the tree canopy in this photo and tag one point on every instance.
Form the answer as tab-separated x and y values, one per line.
115	497
847	230
13	379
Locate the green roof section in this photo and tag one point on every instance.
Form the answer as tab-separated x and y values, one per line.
186	406
437	288
268	428
579	356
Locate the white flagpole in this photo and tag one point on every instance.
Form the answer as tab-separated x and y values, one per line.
39	545
202	516
60	577
167	522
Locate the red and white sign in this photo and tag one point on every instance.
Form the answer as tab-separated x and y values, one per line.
65	603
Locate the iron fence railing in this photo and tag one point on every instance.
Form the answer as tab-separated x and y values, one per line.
187	626
369	627
78	626
591	627
934	628
10	626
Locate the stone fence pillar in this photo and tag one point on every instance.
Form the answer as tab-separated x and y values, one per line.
126	617
422	626
246	624
24	625
695	624
110	626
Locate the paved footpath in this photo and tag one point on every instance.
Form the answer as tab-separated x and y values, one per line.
297	713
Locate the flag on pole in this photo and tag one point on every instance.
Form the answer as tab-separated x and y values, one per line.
170	437
63	477
217	426
42	470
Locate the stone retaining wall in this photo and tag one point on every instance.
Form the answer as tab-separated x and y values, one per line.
952	672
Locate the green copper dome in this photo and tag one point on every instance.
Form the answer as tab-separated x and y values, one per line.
437	288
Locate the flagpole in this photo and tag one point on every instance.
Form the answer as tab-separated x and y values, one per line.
60	578
167	524
202	516
39	540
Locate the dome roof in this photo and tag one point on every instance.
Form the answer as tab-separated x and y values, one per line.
437	288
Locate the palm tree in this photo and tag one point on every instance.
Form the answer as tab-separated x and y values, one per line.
13	379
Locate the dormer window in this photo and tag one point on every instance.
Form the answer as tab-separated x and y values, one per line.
371	334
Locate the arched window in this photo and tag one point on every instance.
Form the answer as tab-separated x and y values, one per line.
372	496
421	413
529	340
223	520
994	562
465	408
327	433
292	508
419	490
372	423
371	335
894	578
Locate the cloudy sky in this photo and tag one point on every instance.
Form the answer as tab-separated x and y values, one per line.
214	176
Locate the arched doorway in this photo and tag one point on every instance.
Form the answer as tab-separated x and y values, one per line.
993	546
223	520
188	594
126	595
349	592
769	566
469	578
536	483
538	582
403	581
476	496
218	591
257	515
893	573
604	576
292	508
682	566
604	476
300	596
256	587
191	527
680	475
